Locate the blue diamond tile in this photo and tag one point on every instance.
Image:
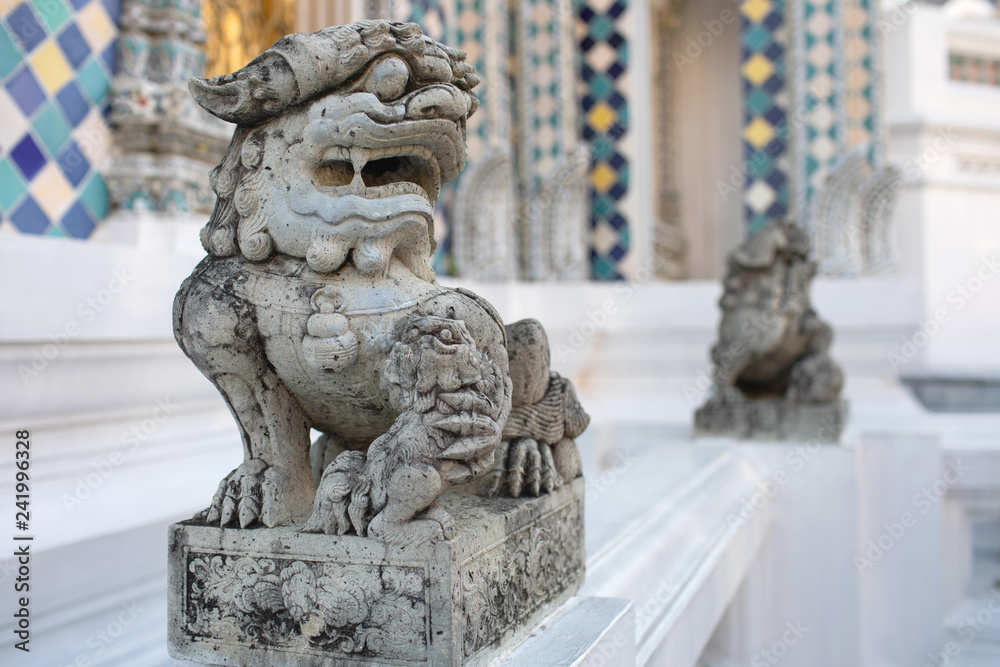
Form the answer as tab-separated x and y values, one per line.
77	222
24	88
78	4
74	164
774	84
72	103
26	27
28	157
29	217
775	116
73	45
110	57
775	53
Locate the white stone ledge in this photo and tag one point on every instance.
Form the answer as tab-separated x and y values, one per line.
682	561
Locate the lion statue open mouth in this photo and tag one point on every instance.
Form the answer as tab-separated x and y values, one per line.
317	307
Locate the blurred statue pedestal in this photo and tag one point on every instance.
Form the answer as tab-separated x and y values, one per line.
276	596
775	419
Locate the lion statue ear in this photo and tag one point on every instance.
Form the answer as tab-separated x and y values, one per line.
251	95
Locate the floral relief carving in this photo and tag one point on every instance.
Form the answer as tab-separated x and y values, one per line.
330	608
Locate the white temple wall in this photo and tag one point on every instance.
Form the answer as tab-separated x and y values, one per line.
945	135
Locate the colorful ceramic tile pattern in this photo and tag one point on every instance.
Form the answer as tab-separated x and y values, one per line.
470	36
604	51
56	64
860	49
822	69
766	148
538	24
974	69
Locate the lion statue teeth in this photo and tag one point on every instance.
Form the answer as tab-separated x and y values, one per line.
317	307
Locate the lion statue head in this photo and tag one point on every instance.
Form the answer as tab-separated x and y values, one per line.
343	140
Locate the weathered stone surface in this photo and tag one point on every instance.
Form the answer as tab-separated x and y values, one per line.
317	308
255	598
773	374
773	420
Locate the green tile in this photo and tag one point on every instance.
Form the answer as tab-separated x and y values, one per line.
52	129
53	12
95	197
10	58
11	185
95	82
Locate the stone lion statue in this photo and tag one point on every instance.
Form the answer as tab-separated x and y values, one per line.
317	307
772	346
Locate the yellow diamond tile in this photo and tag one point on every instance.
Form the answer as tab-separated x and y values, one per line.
602	117
95	25
758	69
759	133
52	192
51	67
756	10
603	177
7	5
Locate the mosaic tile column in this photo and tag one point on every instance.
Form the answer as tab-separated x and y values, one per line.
766	97
485	209
862	94
56	62
821	63
552	162
167	143
605	116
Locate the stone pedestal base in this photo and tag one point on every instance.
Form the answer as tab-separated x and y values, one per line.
263	597
772	420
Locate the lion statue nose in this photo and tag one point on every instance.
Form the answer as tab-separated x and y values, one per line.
441	101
